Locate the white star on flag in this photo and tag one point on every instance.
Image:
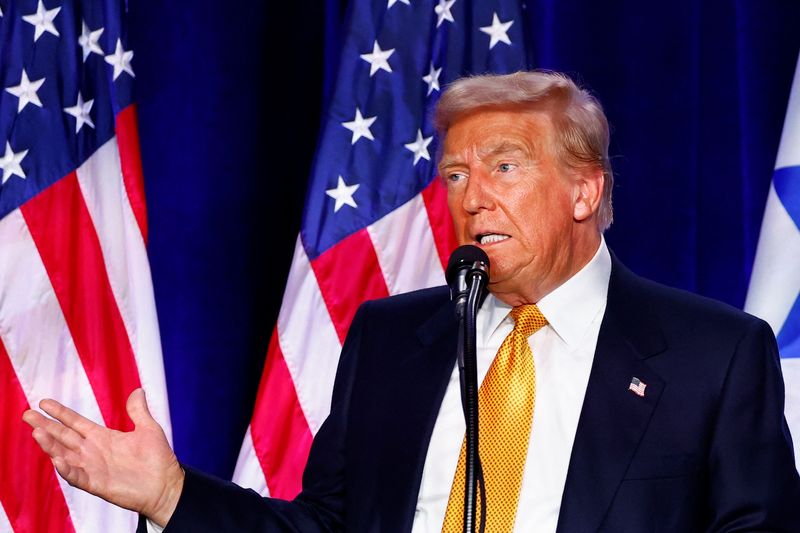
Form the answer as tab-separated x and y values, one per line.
88	41
360	127
1	11
26	91
432	79
378	59
498	31
81	113
393	2
343	194
10	163
420	147
443	10
120	60
42	20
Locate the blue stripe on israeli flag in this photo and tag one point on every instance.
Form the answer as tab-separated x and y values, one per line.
774	292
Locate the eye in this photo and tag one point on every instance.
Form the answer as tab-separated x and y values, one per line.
506	167
455	177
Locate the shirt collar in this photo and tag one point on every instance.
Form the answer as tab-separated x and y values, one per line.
569	308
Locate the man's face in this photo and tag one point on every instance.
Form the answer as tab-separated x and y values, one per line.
508	195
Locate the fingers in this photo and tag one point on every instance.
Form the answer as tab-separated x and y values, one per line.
138	410
33	418
66	461
50	436
67	416
53	447
74	475
59	433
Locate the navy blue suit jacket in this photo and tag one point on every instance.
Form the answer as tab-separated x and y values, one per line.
706	449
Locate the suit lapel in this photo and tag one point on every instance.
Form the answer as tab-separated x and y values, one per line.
613	418
421	380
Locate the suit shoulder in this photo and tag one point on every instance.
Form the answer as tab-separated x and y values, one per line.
411	307
685	310
414	300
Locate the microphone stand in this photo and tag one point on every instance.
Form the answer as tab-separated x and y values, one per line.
468	372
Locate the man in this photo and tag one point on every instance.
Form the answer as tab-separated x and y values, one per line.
625	406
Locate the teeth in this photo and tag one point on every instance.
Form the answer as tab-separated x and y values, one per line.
492	237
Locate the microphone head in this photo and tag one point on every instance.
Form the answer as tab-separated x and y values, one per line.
464	256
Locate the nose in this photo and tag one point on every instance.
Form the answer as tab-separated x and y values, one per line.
477	195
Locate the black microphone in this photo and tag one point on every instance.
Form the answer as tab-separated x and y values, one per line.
466	263
468	275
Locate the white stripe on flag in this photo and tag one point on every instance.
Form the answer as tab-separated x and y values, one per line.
248	471
791	377
125	256
5	523
44	358
308	340
406	251
789	150
775	281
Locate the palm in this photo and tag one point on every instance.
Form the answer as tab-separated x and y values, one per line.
121	464
136	469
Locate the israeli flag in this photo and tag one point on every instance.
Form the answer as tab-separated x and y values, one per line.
775	284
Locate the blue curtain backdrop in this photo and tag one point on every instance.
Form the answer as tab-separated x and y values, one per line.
230	98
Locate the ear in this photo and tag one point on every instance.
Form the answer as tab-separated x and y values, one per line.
588	192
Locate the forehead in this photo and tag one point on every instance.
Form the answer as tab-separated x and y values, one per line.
497	130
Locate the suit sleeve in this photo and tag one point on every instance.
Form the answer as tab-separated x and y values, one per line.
209	504
754	481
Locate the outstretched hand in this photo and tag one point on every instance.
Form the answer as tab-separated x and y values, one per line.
136	470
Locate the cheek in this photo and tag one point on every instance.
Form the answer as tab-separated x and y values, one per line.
451	201
459	225
547	214
511	256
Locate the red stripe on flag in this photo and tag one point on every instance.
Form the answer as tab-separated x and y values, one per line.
444	235
131	163
65	236
279	429
348	274
29	490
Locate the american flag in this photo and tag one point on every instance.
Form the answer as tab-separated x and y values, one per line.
375	220
637	386
77	315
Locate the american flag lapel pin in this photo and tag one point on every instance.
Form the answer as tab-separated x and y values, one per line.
637	386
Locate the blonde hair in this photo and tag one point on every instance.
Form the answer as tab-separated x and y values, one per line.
581	127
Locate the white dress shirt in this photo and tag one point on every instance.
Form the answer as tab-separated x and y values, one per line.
563	352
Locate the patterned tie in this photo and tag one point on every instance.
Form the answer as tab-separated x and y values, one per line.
505	405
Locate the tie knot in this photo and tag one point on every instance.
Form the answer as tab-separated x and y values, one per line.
528	319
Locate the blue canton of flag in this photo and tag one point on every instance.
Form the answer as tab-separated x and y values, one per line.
774	292
65	73
377	149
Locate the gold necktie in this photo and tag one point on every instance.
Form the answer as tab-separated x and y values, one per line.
505	408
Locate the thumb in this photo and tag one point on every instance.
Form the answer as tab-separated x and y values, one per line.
137	408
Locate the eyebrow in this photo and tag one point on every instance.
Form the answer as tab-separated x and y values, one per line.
501	148
446	163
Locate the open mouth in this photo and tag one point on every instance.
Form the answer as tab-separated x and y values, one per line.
491	238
